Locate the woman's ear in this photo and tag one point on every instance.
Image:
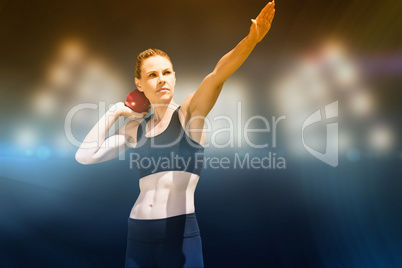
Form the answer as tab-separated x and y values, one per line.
137	84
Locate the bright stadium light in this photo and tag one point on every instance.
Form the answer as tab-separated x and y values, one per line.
63	68
381	138
43	152
290	97
28	152
343	70
99	83
71	51
333	51
361	103
44	102
59	76
346	73
25	137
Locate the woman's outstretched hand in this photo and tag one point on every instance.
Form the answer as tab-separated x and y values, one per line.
261	25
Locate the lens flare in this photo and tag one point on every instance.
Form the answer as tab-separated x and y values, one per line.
381	138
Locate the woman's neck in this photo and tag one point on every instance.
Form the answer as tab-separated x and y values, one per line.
162	110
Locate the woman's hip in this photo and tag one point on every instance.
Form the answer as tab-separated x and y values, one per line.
158	230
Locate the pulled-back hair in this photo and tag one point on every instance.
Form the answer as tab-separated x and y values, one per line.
150	52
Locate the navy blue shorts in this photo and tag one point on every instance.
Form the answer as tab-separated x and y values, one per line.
170	242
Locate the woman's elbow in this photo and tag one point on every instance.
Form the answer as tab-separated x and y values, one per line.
82	159
218	78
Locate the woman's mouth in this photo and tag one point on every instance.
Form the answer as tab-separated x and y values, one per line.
164	89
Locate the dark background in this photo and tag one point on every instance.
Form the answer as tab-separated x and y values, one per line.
55	212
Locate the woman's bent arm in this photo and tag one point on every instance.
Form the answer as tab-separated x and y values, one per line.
96	148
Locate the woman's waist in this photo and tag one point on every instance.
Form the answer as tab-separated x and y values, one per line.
173	181
148	208
156	230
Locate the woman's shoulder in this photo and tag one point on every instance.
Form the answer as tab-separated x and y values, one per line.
131	128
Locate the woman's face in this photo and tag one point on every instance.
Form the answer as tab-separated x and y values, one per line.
157	79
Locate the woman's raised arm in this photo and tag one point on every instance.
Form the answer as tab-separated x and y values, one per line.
200	102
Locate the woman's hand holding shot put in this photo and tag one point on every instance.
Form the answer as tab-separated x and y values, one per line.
96	147
123	110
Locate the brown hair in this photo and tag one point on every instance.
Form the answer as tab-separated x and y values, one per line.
150	52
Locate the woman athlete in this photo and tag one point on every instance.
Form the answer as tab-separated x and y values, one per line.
162	227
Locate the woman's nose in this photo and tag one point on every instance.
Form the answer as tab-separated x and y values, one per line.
161	79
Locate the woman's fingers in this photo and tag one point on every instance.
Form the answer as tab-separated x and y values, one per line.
272	16
266	12
267	9
268	18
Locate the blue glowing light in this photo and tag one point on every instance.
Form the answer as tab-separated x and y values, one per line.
43	152
353	155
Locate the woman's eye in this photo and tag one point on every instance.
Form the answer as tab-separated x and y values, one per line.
152	74
167	72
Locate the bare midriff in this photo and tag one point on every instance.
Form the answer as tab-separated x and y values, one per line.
165	194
